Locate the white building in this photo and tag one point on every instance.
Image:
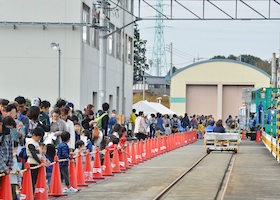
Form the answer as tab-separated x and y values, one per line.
29	66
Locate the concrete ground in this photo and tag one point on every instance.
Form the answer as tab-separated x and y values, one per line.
255	175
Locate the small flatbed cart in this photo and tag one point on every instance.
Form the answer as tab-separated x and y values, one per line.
221	142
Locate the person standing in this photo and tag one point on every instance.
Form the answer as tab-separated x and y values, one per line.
34	152
260	112
186	122
132	120
105	119
140	126
112	121
6	150
63	153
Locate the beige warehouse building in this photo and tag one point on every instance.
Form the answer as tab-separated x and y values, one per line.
214	87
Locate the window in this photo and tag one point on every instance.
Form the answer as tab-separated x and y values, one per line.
118	45
86	29
125	48
129	50
95	37
111	40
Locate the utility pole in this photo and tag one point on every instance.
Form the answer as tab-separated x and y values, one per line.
102	54
171	60
144	84
170	50
273	71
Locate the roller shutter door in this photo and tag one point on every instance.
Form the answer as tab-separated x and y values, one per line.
201	100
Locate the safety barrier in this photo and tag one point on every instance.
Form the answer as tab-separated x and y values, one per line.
272	145
130	155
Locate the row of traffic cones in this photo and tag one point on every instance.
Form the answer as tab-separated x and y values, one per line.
81	177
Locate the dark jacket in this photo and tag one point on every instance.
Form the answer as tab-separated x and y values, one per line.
45	119
219	129
63	153
49	169
105	121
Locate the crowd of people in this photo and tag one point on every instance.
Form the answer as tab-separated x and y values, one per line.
37	133
156	124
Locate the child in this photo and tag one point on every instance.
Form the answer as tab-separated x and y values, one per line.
63	153
157	133
88	144
77	129
200	130
15	179
79	147
167	129
50	156
34	152
123	138
111	145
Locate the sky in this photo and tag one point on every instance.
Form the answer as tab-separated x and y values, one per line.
204	39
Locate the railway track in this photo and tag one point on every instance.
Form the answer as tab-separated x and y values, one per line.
221	177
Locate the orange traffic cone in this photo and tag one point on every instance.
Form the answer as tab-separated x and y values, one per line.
27	187
88	169
97	171
143	149
258	136
133	156
125	155
6	190
72	174
80	172
106	168
129	160
243	136
41	192
116	161
148	149
55	186
122	162
138	153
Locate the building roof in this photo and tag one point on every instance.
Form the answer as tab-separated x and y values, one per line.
159	80
218	60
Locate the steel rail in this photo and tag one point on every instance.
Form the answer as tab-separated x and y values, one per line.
179	178
228	178
220	189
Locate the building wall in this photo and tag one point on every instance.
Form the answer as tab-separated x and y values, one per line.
31	66
213	72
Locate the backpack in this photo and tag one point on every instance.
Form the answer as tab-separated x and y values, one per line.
99	120
175	123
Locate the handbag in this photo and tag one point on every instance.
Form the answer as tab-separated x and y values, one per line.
141	129
95	133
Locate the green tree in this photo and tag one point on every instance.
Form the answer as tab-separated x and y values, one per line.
256	61
219	57
139	65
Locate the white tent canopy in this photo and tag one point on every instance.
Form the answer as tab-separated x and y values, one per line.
151	108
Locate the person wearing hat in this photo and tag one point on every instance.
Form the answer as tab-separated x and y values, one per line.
74	112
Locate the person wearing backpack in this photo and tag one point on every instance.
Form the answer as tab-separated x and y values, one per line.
174	123
103	119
